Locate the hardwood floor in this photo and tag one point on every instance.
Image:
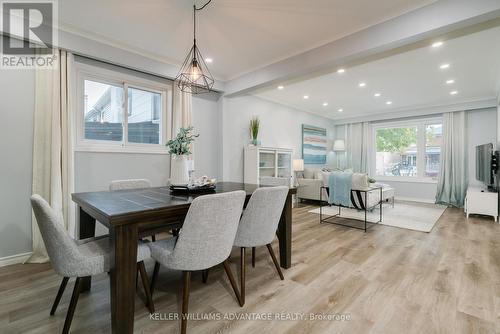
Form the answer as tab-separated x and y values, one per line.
387	280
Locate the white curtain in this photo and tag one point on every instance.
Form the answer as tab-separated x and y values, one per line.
453	171
182	113
53	177
182	110
358	147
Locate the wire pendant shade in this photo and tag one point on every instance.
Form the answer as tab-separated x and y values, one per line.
194	76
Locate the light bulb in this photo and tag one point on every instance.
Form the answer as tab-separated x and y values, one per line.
195	71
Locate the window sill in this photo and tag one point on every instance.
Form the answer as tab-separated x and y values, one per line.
123	149
405	179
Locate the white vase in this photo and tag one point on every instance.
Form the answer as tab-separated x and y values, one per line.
179	171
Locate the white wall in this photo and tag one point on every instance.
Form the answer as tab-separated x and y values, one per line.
280	126
207	147
17	96
482	129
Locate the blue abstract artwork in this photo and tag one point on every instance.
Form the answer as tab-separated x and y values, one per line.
314	145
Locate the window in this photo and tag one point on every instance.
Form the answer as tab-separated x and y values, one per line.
408	149
120	112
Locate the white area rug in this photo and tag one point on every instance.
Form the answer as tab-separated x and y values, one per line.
410	215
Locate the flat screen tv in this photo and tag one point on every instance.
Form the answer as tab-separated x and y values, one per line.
484	155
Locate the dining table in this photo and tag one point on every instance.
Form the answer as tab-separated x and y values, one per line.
137	213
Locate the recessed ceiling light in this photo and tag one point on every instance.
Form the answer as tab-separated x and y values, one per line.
449	82
453	92
325	104
388	102
341	70
306	97
209	60
281	87
444	66
362	84
340	110
437	44
377	94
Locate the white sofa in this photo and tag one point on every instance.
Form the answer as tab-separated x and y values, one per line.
310	181
313	179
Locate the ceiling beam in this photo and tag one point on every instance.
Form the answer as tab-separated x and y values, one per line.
439	18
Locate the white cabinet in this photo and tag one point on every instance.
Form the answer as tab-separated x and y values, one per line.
481	201
266	162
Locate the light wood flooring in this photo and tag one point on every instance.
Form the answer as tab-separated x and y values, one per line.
388	280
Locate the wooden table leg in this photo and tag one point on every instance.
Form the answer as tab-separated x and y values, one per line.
124	245
87	230
285	234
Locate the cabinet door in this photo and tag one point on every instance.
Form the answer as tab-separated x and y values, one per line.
284	164
267	163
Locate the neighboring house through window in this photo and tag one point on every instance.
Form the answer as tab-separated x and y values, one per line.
408	149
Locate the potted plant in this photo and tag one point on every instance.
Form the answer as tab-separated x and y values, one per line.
179	148
254	130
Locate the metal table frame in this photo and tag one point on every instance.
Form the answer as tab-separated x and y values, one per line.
367	224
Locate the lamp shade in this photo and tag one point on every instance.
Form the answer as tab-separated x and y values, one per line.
298	165
339	145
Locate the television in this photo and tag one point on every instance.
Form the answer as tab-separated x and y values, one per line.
484	170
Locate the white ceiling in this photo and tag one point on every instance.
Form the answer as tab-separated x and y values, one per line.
412	79
240	35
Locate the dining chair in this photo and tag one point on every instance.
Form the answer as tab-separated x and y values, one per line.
258	227
131	184
204	241
79	259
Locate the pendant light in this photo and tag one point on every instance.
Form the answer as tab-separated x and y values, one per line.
194	76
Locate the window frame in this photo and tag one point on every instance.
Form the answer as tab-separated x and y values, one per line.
420	124
125	81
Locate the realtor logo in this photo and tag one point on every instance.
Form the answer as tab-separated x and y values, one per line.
28	34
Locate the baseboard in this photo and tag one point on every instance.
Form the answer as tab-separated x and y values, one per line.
411	199
14	259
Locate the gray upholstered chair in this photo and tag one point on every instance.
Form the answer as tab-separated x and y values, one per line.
258	226
82	258
205	240
129	184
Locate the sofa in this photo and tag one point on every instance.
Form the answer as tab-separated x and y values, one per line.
311	180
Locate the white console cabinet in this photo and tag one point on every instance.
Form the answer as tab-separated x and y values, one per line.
481	201
267	162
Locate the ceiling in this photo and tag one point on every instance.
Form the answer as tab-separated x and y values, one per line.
240	35
411	79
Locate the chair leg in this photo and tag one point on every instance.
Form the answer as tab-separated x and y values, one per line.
253	257
242	277
204	275
155	276
185	300
276	264
72	305
59	295
145	284
229	274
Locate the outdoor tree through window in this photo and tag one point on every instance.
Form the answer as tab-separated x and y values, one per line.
408	150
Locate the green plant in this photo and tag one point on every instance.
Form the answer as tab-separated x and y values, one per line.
396	140
254	127
181	145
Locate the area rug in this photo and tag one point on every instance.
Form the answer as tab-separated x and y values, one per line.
409	215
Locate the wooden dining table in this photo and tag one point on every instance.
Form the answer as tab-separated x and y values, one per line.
133	214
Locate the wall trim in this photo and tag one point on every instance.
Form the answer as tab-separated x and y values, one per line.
425	110
413	199
14	259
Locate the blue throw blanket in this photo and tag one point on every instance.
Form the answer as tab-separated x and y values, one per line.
340	184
